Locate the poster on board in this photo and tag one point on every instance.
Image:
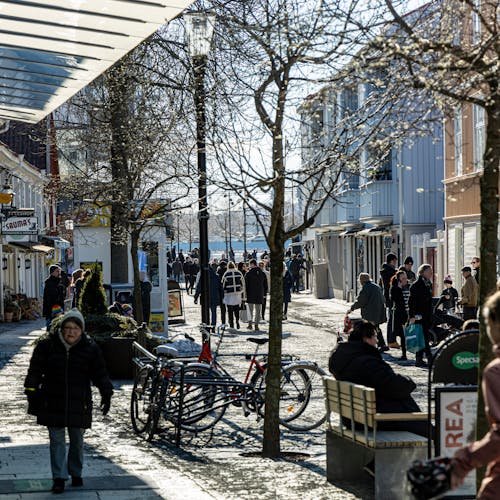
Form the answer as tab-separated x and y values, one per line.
455	428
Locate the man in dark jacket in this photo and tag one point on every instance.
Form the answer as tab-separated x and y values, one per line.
216	294
295	267
371	302
186	267
58	386
255	282
146	289
53	293
387	271
359	361
420	309
221	269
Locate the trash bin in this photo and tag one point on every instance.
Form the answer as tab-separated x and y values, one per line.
321	280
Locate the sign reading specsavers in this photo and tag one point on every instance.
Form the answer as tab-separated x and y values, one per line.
455	365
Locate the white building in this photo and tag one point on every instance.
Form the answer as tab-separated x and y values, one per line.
23	258
383	203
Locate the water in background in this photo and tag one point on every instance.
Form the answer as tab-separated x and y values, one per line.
218	247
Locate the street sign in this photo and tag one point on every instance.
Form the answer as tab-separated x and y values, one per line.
455	428
20	225
458	361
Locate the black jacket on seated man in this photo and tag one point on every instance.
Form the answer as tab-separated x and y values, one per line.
361	363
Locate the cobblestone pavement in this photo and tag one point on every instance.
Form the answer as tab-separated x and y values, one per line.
119	464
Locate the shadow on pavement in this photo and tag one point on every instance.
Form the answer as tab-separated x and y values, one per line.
26	469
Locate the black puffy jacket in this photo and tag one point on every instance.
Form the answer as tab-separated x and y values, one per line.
62	379
360	363
256	282
53	294
386	273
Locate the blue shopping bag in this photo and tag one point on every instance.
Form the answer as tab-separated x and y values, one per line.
414	335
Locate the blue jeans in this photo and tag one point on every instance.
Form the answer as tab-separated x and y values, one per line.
61	465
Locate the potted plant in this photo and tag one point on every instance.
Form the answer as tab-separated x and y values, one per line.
9	311
115	334
12	311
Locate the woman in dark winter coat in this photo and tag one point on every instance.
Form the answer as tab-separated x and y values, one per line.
216	293
359	361
287	289
58	386
399	294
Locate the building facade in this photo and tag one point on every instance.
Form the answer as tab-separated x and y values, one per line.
23	255
465	134
386	202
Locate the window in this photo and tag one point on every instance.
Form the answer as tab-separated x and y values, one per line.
317	124
457	128
476	22
379	165
479	136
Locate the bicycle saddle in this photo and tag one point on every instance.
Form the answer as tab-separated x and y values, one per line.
166	350
259	341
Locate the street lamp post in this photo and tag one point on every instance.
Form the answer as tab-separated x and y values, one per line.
231	253
199	30
244	233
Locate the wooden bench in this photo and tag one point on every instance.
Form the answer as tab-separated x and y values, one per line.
349	450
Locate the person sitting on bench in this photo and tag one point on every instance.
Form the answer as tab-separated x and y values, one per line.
359	361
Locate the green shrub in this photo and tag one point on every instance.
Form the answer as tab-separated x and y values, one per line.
102	327
93	297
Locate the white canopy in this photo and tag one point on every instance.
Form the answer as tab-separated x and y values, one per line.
50	49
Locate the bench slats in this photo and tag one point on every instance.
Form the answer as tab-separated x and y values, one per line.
387	417
384	439
345	389
358	404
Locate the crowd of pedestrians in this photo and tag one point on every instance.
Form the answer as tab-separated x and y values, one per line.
402	298
239	290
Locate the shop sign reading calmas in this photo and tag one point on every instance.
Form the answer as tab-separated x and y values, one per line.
20	225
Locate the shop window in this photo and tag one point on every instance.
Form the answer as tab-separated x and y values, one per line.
479	136
457	127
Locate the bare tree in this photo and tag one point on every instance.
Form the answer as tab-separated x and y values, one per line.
452	49
269	55
130	123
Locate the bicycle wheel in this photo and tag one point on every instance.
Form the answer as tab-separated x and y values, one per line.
204	400
302	406
157	403
141	398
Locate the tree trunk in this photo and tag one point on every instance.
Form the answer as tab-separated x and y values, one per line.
119	90
271	443
134	247
489	248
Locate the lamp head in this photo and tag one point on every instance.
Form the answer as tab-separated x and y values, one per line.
199	31
6	195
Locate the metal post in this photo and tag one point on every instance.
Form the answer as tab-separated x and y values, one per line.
225	235
244	233
229	221
199	63
178	233
401	205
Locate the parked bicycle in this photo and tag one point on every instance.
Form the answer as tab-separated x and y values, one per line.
197	395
